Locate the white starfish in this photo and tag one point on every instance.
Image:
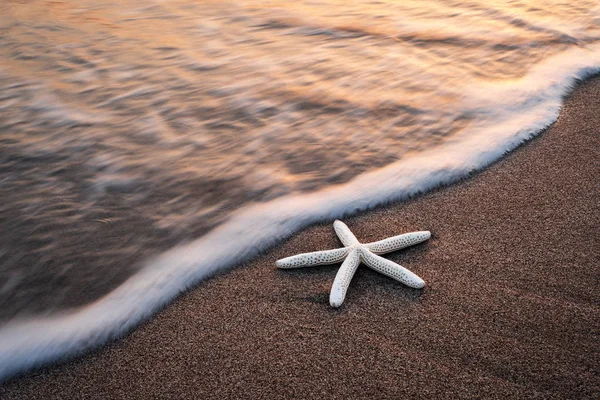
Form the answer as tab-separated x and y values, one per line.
354	252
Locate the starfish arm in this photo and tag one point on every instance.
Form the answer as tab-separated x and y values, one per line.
398	242
391	269
343	278
344	233
313	259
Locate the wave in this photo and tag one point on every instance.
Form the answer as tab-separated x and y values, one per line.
510	115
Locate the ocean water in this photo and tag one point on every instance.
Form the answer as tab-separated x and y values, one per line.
147	144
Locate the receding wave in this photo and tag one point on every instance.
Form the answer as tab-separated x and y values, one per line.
29	343
158	147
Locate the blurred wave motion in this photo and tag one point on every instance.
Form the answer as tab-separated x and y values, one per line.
146	144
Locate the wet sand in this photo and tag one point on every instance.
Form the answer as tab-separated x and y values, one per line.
511	308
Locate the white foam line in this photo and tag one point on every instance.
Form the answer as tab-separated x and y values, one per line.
30	343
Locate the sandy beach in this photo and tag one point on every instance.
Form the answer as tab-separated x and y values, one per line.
511	308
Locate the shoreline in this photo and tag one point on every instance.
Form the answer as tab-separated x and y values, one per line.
486	276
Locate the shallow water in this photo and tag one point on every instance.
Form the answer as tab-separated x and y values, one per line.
127	128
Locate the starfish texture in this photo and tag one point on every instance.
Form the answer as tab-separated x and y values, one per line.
353	253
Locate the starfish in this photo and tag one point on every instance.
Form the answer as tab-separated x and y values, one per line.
354	252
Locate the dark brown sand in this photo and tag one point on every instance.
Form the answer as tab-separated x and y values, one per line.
511	308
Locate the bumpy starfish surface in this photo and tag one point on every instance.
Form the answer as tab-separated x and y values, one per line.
354	252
